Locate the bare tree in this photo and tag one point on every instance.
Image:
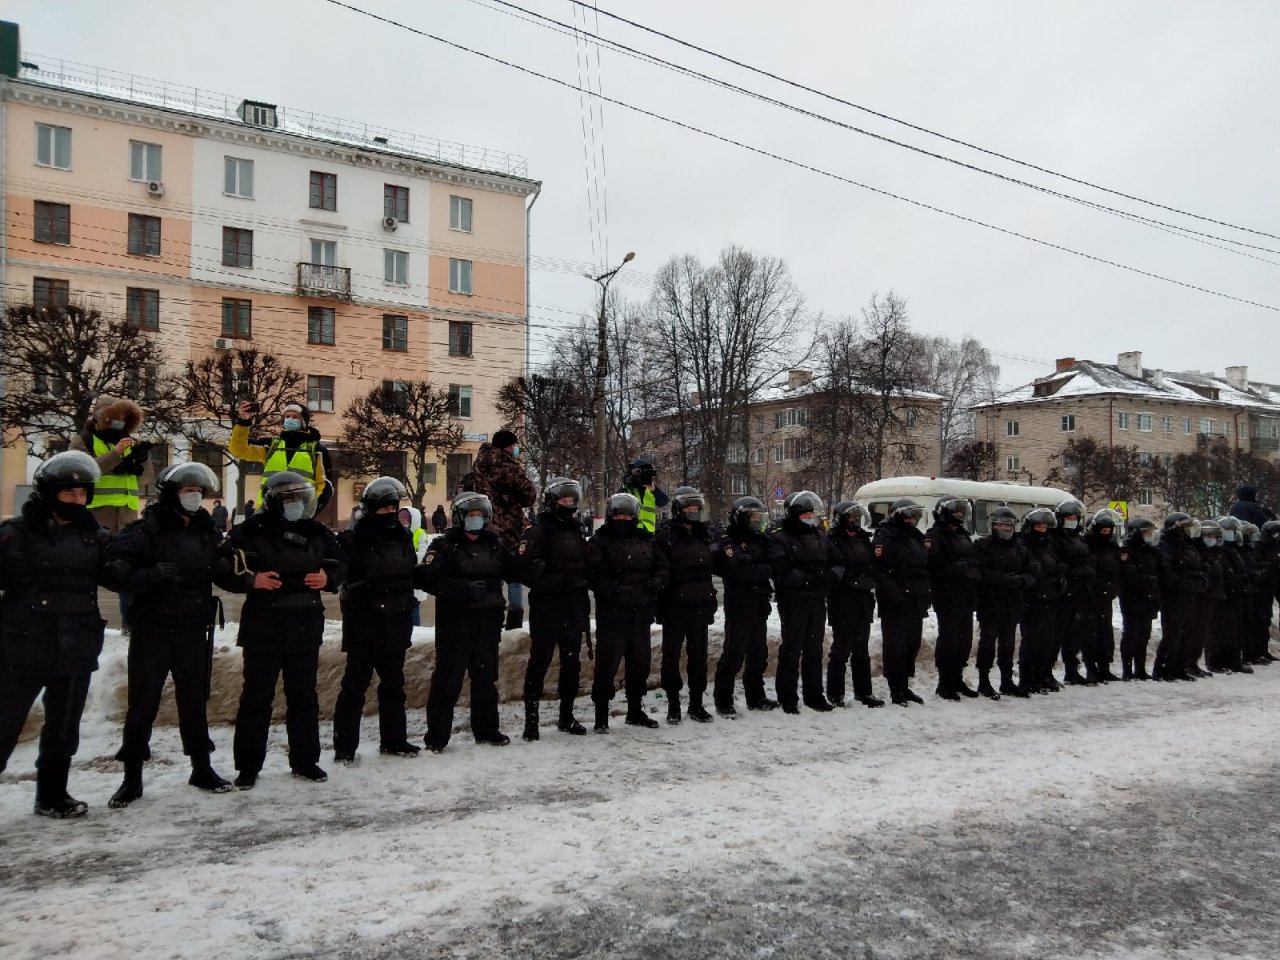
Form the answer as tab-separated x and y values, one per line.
1097	472
554	415
58	360
400	429
972	460
962	373
213	385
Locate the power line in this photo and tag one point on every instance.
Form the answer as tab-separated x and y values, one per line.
921	129
811	168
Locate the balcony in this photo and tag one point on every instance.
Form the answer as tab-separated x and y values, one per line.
1264	443
319	280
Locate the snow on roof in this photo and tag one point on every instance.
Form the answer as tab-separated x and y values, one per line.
785	388
114	85
1086	378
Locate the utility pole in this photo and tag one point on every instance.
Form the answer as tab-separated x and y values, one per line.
602	369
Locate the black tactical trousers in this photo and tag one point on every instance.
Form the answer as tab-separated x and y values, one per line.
466	647
997	636
1135	632
155	651
1103	632
622	636
1177	619
901	627
63	700
849	639
555	623
1200	637
363	659
1037	652
746	648
684	624
804	627
264	662
955	636
1072	633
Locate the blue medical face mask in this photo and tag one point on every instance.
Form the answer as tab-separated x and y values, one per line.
190	502
117	424
809	521
292	423
515	451
473	524
293	510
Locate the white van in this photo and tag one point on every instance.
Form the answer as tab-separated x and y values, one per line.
983	495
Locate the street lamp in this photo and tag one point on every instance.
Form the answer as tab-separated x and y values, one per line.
602	368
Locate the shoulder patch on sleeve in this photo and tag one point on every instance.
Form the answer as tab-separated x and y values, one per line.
1124	555
430	557
524	545
728	550
879	549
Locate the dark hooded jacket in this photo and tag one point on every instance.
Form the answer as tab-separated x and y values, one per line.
1247	507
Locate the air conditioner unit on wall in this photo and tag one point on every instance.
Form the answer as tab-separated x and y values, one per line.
155	188
224	343
389	223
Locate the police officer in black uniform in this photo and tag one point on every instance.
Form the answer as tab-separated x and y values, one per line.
1256	615
1073	617
166	562
742	562
281	558
464	569
1102	542
1139	596
1202	639
1036	651
901	562
851	605
1229	607
377	621
1182	582
551	560
687	606
803	563
626	572
51	563
954	575
1007	572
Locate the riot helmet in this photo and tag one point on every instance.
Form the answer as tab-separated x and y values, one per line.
465	504
289	495
687	505
1104	518
849	515
1211	533
174	478
66	471
1003	520
1271	530
1141	528
748	513
1068	509
622	513
1037	516
1232	529
1178	524
904	510
800	503
1251	532
382	492
560	488
952	510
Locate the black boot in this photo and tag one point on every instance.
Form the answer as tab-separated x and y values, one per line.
1126	668
567	723
515	618
762	704
530	720
818	703
636	717
697	711
897	696
673	708
204	777
131	789
959	686
602	718
946	689
52	799
985	688
870	701
911	694
1140	665
1071	676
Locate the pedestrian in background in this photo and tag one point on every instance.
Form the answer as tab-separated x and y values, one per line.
500	475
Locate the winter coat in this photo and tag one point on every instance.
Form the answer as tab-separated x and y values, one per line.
297	450
219	517
1216	564
1247	508
439	520
377	597
502	478
741	560
1182	574
551	557
953	565
626	571
802	559
1106	565
184	601
902	569
126	468
1139	576
852	598
1075	562
50	572
688	550
465	575
1008	571
1051	579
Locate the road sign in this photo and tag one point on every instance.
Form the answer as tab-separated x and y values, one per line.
780	493
1121	507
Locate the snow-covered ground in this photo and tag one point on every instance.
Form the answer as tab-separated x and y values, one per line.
1130	820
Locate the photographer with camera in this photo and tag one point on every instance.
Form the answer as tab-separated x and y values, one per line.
642	484
108	438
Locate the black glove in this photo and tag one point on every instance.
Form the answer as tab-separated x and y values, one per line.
164	572
1015	581
837	573
864	582
479	590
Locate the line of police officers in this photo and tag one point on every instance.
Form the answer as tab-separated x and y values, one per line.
1211	582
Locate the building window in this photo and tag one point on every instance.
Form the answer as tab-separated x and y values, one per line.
1206	425
237	177
791	417
738	485
1186	426
777	453
1226	428
1122	421
46	293
144	161
144	235
1145	422
460	214
237	247
320	394
395	394
395	332
395	202
320	325
142	308
1012	463
910	453
1166	424
53	146
459	338
142	384
237	318
395	266
1145	497
1011	428
210	454
324	253
1068	422
460	400
736	453
53	222
45	384
759	455
324	190
460	276
456	466
912	416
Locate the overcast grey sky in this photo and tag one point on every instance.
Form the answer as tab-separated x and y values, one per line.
1169	101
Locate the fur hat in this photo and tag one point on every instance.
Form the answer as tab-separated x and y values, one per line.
305	413
505	438
108	408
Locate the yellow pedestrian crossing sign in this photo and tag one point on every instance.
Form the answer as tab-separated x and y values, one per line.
1121	507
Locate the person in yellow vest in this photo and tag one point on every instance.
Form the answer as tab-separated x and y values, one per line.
296	449
411	519
108	438
642	484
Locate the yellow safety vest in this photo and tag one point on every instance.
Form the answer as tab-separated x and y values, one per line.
648	507
417	539
278	460
113	489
